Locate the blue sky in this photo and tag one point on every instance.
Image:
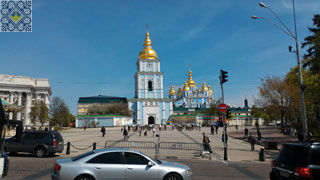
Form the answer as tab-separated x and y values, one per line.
87	48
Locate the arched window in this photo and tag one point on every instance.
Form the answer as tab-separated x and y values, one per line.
150	85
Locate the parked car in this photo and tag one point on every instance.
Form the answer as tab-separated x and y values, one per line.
118	164
299	160
41	143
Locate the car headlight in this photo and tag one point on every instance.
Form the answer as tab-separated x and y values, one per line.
189	172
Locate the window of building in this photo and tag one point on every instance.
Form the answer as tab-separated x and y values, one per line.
150	85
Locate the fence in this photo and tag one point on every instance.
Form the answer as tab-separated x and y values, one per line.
131	144
154	145
181	146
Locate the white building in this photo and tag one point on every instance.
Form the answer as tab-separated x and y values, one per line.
24	91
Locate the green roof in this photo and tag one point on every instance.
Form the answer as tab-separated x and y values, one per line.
146	99
102	99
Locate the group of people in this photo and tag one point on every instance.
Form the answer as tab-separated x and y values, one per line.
251	138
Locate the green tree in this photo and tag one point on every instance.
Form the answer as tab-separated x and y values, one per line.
313	42
60	113
39	113
43	113
273	96
213	110
112	108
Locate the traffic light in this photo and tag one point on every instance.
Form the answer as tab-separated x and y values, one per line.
223	76
220	121
228	114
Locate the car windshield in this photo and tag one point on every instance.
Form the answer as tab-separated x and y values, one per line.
294	155
82	156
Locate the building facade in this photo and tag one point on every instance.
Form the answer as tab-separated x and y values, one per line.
190	96
23	91
149	106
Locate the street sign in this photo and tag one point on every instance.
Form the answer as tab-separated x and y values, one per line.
223	107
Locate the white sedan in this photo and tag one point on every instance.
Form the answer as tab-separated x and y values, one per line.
118	164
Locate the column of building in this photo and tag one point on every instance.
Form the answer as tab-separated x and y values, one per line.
27	109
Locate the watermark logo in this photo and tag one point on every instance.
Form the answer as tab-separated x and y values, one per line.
16	16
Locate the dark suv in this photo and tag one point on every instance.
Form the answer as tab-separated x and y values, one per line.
41	143
300	160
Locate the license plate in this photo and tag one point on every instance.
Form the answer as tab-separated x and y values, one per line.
284	174
60	142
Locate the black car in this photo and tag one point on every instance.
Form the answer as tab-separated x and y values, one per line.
41	143
299	160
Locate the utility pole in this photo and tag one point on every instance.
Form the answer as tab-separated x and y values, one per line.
223	78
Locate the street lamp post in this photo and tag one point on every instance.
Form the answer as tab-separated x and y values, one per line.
295	37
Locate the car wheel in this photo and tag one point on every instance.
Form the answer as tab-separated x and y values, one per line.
172	176
84	177
40	152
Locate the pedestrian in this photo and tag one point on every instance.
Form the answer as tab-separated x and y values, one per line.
103	131
153	131
212	129
222	138
199	127
217	127
206	143
251	140
140	130
84	127
259	135
257	125
246	131
128	128
145	133
125	134
236	127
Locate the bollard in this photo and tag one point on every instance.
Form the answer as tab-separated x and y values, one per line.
94	146
68	148
261	155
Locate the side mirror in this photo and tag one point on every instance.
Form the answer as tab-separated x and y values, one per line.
150	163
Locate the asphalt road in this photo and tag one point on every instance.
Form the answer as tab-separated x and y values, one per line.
28	167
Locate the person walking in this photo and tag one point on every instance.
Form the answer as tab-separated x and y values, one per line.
153	131
103	131
212	129
125	134
217	127
259	135
222	138
246	131
140	130
251	140
206	144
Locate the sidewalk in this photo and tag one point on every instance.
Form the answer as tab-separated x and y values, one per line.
268	133
238	150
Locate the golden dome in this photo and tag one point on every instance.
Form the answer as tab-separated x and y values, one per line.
148	52
172	91
179	91
190	82
210	90
204	87
186	87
